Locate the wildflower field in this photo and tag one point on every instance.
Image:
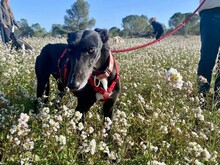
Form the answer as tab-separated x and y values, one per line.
157	119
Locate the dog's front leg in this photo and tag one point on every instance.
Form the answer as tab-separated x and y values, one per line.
108	107
108	115
43	85
61	89
84	105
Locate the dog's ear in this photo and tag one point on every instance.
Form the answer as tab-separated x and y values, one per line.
103	34
70	37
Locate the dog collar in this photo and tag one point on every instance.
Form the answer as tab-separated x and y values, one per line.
107	71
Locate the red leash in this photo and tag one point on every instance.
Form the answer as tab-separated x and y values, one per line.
168	34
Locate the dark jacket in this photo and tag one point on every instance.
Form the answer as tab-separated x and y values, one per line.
158	27
6	18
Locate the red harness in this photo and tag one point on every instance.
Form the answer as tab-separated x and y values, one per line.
63	77
95	75
100	75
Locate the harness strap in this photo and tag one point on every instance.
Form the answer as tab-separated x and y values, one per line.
102	91
97	74
65	71
105	73
99	89
112	86
64	76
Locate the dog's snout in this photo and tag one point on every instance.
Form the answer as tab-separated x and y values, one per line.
74	86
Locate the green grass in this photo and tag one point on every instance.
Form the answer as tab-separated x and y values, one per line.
154	123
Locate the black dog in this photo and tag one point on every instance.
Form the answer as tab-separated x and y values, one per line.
85	65
19	44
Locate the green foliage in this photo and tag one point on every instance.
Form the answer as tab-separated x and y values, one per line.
135	25
35	30
77	17
190	28
38	31
114	31
24	30
58	30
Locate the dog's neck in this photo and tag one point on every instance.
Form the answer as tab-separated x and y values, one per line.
103	60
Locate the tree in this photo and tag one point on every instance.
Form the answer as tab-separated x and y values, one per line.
176	19
34	30
114	31
193	24
189	28
38	31
77	17
58	30
24	30
135	25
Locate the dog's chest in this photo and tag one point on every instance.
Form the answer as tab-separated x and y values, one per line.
104	84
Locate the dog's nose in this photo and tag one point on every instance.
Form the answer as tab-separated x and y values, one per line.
74	86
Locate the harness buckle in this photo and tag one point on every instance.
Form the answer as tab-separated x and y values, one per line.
107	71
106	95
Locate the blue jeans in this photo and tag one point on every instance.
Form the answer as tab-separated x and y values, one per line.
210	42
5	34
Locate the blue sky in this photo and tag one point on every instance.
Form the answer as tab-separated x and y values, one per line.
108	13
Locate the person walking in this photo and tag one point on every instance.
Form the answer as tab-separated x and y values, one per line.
7	24
210	42
158	27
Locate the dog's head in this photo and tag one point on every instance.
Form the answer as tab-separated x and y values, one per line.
84	49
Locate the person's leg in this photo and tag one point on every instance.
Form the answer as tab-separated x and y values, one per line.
217	80
206	64
217	33
159	35
5	32
209	50
2	34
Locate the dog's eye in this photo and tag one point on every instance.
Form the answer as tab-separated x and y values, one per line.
91	50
